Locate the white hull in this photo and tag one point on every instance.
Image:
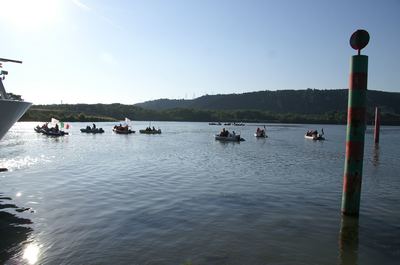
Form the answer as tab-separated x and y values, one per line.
10	112
314	137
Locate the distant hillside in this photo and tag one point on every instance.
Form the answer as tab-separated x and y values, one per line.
309	101
286	106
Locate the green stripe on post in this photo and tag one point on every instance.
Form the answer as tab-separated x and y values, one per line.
357	98
353	166
352	202
359	64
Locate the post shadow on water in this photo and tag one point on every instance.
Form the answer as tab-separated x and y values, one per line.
14	230
348	241
375	157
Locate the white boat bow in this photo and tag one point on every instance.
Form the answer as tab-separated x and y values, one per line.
11	110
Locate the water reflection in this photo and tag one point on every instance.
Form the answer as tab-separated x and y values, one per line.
348	241
31	253
13	230
228	143
375	157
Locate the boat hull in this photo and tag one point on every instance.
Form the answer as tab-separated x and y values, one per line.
314	137
235	138
150	132
123	131
54	134
10	112
94	131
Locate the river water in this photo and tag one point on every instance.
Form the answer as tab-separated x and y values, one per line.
183	198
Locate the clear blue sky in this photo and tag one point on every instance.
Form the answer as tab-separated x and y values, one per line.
102	51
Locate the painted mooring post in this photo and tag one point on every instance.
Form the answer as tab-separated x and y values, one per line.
356	125
377	124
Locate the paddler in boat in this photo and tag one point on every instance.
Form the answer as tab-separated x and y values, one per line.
224	133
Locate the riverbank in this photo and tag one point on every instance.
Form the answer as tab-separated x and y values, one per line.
117	112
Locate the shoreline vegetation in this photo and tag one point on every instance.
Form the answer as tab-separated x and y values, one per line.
283	106
118	112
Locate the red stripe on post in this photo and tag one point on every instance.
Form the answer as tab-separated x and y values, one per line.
356	114
352	182
355	150
358	81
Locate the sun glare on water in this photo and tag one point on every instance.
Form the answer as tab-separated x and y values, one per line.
31	253
29	14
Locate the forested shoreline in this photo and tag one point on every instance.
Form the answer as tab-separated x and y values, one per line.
282	106
117	112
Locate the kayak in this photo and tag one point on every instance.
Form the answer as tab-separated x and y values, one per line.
96	130
229	138
150	131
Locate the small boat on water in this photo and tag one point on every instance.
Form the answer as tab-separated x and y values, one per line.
122	130
54	133
260	133
151	131
229	138
45	130
226	136
93	130
314	135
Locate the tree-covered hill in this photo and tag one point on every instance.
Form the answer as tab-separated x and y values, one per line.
309	101
285	106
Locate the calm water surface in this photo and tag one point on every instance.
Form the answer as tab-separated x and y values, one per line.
183	198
